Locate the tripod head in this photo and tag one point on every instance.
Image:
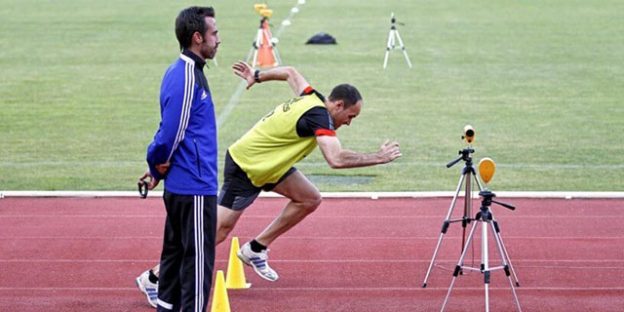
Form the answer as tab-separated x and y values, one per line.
393	21
485	214
464	155
468	135
487	201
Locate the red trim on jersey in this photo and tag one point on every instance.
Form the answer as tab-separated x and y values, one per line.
321	132
308	90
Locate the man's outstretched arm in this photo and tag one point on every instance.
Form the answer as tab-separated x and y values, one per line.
337	157
283	73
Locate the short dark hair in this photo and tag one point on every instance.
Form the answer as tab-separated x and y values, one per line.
189	21
347	93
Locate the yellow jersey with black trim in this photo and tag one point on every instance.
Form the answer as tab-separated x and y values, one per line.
269	149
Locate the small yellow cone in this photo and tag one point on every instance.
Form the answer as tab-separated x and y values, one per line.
220	301
235	273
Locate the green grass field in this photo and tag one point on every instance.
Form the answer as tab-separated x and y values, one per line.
542	82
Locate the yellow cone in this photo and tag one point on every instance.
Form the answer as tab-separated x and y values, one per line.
220	301
235	272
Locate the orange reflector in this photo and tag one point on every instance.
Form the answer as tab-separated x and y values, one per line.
487	167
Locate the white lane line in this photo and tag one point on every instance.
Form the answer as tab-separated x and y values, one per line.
326	289
67	288
523	288
350	217
389	238
451	261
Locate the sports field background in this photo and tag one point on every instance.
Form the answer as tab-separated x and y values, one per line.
542	82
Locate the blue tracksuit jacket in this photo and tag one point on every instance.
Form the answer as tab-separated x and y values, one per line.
187	134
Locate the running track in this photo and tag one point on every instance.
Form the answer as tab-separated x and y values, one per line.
82	254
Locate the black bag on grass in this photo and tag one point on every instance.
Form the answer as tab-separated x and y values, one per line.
322	38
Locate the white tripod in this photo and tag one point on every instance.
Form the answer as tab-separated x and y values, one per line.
393	36
486	219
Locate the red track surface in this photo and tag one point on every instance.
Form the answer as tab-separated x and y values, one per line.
82	254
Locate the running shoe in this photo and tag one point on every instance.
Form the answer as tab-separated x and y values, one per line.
258	261
148	288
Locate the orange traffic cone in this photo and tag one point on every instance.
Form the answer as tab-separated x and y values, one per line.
235	278
220	300
266	55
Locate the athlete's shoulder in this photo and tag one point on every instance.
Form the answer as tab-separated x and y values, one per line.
309	91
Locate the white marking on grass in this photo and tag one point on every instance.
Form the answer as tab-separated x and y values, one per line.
293	11
225	112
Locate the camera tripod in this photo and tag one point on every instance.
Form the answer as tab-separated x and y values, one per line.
393	36
486	219
468	173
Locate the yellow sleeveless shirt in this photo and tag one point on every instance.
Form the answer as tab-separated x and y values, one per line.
272	146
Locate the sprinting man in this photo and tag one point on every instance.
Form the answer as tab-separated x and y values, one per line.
264	158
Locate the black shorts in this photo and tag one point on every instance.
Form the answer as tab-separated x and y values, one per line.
237	191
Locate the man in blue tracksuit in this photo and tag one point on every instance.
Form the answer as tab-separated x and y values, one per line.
184	154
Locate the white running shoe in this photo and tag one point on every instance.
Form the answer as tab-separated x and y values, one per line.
258	261
148	288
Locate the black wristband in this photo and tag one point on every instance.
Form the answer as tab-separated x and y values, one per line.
257	76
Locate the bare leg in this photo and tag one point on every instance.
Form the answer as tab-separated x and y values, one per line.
226	220
156	270
304	199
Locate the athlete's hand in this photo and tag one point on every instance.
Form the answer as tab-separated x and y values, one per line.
245	71
389	151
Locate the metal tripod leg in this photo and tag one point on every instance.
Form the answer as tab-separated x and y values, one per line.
403	48
393	36
503	249
467	171
505	260
485	264
447	221
389	46
276	55
484	220
255	47
458	267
